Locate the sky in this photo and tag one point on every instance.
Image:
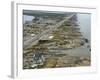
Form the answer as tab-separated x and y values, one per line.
27	18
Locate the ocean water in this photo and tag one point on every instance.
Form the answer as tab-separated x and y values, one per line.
84	21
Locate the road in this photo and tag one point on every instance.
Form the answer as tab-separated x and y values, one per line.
47	32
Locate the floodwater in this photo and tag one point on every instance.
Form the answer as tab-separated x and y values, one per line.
84	21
